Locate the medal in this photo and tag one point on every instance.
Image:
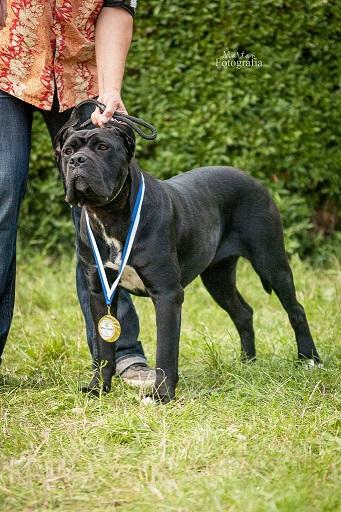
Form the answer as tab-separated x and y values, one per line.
109	328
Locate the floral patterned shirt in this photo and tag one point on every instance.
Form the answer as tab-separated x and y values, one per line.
50	44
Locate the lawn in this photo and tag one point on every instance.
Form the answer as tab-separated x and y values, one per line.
241	438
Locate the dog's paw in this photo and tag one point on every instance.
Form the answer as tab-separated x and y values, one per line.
90	391
310	364
95	391
148	400
159	397
156	399
100	382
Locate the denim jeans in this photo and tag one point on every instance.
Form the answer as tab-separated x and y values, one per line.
15	145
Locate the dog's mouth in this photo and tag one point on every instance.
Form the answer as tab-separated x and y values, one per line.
79	193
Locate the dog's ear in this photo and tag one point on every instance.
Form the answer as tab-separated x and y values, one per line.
65	132
127	135
129	141
60	138
58	143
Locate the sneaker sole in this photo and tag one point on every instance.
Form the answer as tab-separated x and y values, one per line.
139	383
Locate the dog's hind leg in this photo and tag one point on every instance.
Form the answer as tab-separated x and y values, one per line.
220	281
273	268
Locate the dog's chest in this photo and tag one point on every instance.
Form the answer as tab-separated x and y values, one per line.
130	279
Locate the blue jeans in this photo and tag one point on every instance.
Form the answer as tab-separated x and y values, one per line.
15	146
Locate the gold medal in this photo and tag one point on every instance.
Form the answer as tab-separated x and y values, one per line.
109	328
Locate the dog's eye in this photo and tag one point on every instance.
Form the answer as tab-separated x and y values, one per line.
102	147
67	151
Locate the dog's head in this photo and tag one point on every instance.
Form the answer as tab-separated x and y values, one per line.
94	162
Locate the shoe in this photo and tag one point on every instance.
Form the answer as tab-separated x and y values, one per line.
139	375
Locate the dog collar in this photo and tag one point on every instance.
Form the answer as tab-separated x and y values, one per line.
116	195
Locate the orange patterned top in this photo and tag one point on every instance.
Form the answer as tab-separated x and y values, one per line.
48	44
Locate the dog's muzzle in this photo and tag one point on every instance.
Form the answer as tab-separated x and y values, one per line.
77	189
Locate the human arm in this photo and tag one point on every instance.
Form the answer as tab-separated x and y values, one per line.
3	13
113	36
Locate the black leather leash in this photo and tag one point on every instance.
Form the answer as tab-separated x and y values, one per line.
133	122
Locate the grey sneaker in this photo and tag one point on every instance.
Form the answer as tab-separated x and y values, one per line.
139	375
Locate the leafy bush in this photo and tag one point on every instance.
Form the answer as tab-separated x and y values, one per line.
279	121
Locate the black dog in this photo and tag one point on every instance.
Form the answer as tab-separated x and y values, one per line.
199	222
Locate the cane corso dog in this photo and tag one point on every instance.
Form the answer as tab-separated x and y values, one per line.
196	223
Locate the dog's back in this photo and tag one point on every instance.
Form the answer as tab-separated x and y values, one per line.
219	209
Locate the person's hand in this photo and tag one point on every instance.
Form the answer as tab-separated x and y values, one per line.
3	13
113	102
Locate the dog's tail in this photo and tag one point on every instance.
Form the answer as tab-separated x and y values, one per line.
266	285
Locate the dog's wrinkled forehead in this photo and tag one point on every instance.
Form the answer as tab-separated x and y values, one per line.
113	128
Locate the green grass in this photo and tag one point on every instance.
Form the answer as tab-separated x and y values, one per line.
244	438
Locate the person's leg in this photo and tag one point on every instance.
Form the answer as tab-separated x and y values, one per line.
15	143
129	351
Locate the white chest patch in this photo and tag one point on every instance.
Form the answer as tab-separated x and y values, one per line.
108	240
129	279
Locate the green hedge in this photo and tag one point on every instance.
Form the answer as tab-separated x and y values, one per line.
279	121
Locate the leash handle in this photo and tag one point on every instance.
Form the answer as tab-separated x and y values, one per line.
133	122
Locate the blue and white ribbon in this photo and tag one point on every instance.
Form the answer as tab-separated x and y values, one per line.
134	222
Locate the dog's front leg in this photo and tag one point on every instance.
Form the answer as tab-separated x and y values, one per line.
168	322
104	352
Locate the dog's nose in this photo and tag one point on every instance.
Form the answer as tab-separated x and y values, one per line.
77	160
